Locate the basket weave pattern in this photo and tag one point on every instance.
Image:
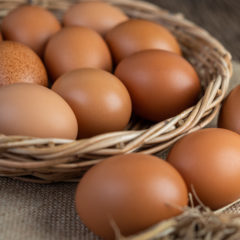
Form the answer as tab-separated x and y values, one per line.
47	160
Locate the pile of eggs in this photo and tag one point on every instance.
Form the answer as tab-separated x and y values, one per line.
87	76
90	73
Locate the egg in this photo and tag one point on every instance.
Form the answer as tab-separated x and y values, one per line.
134	191
1	37
76	47
161	84
229	117
30	25
209	161
99	16
36	111
136	35
18	63
99	100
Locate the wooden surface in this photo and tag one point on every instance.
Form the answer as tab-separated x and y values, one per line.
220	17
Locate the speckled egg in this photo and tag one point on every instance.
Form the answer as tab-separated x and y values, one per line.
18	63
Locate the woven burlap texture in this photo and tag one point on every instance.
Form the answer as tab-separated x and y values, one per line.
31	211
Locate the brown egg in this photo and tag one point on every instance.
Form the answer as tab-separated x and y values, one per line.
161	84
18	63
99	16
34	110
30	25
135	191
1	37
76	47
136	35
99	100
209	160
229	117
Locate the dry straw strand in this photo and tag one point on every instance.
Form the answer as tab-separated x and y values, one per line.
193	224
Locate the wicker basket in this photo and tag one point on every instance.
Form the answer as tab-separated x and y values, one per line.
48	160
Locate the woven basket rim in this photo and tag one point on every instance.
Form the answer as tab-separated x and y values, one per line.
48	160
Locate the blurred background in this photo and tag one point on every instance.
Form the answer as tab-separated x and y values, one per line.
220	17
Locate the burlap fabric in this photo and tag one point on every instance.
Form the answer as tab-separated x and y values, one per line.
30	211
39	212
